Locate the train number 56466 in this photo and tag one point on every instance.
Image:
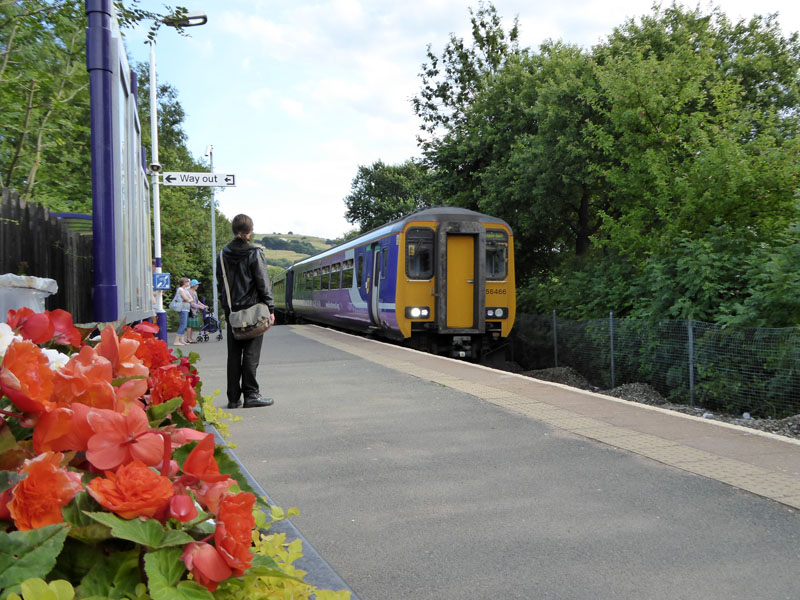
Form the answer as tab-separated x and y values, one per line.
496	291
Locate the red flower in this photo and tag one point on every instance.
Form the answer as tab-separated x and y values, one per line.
65	332
133	491
120	438
152	351
37	500
201	462
168	382
32	326
235	523
26	378
207	566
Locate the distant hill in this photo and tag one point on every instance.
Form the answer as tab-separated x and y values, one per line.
285	249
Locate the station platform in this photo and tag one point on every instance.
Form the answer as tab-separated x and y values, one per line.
427	477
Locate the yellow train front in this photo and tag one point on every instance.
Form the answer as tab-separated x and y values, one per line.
440	279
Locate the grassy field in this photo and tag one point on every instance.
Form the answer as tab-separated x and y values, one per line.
286	258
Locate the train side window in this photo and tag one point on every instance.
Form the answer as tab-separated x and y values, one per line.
336	275
309	280
317	280
360	271
496	254
385	267
419	253
347	274
326	278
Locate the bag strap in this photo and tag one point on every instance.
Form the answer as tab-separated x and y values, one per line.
225	279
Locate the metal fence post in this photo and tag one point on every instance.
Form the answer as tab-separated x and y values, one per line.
611	338
555	338
690	332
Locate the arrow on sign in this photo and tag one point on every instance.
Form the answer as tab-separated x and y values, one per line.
230	179
169	178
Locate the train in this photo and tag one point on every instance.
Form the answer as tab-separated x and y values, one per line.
440	280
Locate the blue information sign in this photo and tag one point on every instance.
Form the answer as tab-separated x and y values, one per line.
161	281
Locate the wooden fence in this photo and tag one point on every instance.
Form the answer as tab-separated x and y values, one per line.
35	242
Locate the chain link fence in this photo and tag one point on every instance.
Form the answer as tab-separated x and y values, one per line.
753	370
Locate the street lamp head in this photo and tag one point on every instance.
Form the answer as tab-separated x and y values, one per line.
186	19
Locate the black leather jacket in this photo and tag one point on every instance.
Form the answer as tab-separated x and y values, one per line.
248	277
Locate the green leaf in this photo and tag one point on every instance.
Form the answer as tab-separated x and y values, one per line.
147	532
27	554
9	479
84	528
115	576
7	439
156	414
164	568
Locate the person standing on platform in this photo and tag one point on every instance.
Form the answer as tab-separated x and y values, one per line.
195	316
182	308
248	279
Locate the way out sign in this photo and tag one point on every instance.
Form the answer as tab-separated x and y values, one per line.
207	179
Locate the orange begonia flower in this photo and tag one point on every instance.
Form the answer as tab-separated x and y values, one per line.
37	500
133	491
121	353
120	438
207	566
235	523
86	378
26	378
63	429
201	462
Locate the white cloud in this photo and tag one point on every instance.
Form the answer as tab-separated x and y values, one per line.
293	108
259	98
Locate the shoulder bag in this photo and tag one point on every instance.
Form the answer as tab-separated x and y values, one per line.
176	304
250	322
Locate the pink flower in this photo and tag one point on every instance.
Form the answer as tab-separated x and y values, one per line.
182	508
207	566
120	438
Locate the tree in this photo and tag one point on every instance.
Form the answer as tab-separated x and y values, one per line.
450	84
381	193
44	99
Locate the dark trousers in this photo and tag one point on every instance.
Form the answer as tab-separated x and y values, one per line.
243	358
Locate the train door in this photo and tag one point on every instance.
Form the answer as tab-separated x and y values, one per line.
460	281
374	284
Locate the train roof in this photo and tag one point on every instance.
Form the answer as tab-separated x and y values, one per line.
434	213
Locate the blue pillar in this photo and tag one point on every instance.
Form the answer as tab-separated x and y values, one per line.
98	63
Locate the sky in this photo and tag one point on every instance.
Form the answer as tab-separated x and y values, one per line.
295	95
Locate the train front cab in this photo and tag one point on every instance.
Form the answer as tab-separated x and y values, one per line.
455	290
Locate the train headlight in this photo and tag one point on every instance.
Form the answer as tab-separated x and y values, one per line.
497	312
417	312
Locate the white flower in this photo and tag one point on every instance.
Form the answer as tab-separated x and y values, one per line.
6	337
57	360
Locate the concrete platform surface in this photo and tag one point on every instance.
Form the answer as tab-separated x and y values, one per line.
423	477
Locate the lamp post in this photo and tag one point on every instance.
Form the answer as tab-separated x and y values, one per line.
210	155
192	19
